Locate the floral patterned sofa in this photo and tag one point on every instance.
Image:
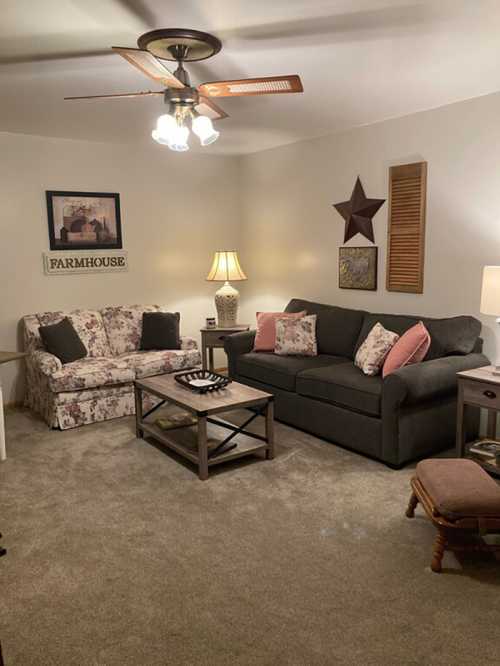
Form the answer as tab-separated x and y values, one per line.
99	386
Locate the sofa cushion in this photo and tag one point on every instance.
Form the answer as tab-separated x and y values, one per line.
89	326
370	356
337	329
343	384
453	335
412	347
265	337
149	363
123	326
160	330
63	341
296	337
90	373
279	371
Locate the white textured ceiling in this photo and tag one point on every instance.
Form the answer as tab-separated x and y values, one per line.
360	61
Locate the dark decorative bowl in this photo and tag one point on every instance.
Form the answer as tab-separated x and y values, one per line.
202	381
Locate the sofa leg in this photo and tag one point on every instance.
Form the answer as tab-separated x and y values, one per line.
439	548
395	466
412	505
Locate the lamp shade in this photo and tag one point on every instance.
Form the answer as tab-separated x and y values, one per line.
226	267
490	292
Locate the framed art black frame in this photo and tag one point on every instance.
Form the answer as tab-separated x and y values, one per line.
108	234
367	282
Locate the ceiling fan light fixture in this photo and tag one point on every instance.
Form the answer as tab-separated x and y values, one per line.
170	131
159	138
166	124
203	128
179	138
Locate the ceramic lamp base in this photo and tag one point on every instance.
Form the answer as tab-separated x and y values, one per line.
226	301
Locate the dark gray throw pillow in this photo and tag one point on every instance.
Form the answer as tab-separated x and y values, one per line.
160	330
63	341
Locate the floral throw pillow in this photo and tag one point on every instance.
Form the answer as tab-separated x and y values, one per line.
296	337
371	355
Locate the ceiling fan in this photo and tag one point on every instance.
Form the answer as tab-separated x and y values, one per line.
186	102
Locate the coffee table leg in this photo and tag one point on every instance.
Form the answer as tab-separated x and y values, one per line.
202	448
270	430
138	411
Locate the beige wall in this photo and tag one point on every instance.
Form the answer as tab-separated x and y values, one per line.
292	233
177	209
274	206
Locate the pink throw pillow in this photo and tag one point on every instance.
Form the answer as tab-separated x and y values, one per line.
265	338
411	347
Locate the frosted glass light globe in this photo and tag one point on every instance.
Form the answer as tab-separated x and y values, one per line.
203	128
178	138
165	124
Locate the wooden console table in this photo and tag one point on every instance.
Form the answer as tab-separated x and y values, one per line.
5	357
478	388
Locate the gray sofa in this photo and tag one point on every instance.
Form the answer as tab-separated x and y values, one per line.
408	415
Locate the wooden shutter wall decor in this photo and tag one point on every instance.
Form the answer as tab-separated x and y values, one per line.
406	228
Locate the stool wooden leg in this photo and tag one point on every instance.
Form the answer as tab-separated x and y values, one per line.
412	505
439	548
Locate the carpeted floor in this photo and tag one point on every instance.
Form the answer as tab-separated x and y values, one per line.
118	554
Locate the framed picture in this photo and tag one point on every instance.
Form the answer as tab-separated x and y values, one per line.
358	268
84	220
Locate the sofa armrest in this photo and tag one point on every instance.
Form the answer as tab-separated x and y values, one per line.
239	343
427	380
188	343
235	345
46	363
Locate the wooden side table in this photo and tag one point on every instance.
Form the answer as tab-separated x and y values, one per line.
5	357
478	388
213	338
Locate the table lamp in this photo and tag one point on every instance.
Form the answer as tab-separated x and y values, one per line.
226	267
490	296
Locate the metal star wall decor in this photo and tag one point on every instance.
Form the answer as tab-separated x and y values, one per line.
358	213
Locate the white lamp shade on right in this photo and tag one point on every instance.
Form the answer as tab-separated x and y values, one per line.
490	292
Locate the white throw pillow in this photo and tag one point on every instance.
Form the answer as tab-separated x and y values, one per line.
296	337
371	354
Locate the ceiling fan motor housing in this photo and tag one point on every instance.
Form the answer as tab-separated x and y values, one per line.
182	96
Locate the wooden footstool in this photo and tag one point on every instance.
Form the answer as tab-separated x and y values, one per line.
462	501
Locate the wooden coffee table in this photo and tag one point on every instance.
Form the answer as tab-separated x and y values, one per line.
192	442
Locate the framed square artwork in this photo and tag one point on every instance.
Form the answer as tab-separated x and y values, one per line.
358	268
84	220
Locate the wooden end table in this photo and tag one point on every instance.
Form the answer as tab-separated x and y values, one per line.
213	338
192	442
478	388
5	357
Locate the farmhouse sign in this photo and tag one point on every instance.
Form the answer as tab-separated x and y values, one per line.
64	263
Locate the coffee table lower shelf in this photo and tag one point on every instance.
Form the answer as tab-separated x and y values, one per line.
184	441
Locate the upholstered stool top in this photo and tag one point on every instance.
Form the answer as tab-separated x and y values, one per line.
459	488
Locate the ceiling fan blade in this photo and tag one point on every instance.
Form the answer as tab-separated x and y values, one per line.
268	85
145	93
208	108
149	65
